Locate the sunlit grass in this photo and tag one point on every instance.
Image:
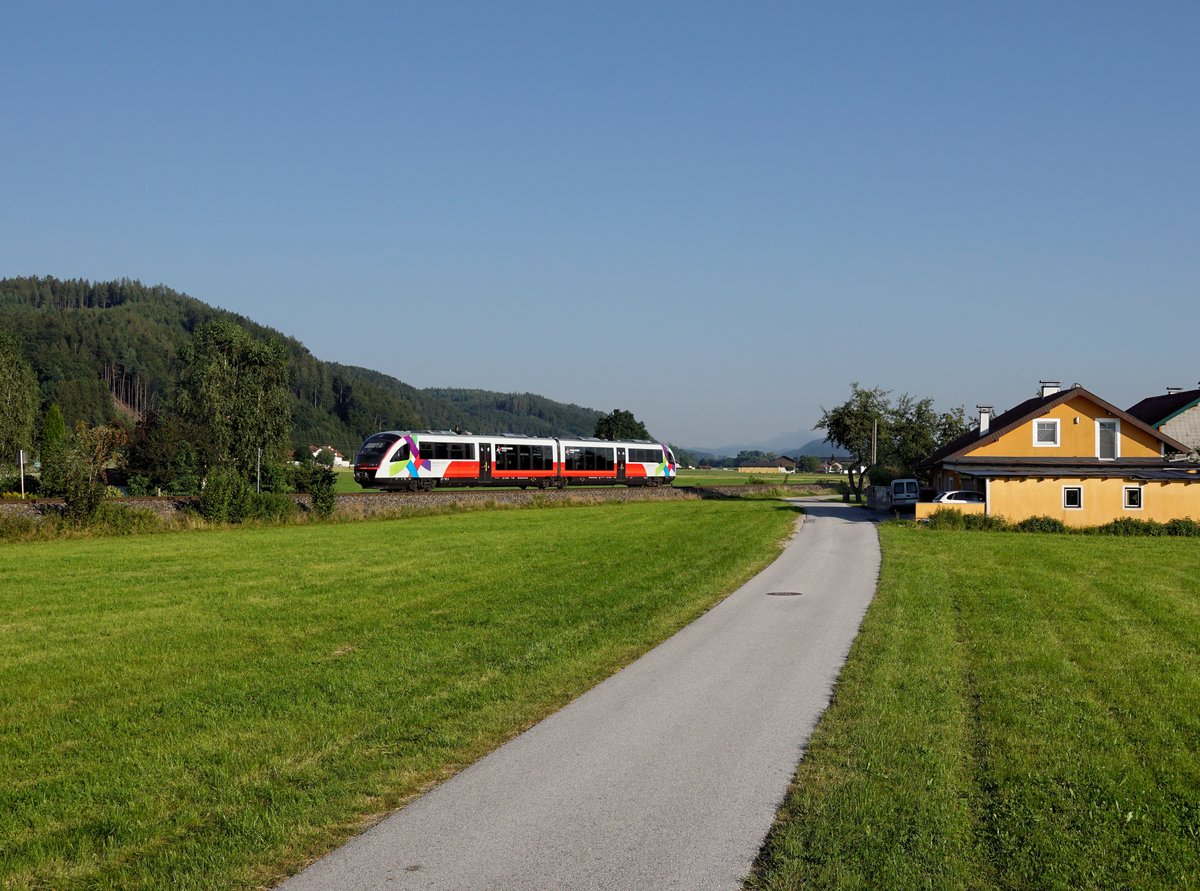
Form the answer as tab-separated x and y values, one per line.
209	709
1018	712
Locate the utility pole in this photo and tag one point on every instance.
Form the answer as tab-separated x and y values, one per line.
21	461
258	472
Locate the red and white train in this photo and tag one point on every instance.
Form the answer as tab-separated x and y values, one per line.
398	460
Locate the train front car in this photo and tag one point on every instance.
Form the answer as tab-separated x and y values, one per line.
375	452
418	461
649	464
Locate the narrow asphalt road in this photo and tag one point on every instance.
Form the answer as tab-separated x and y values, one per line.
668	774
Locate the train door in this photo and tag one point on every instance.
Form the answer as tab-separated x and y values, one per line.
485	460
620	464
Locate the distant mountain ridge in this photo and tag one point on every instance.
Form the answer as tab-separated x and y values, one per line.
98	345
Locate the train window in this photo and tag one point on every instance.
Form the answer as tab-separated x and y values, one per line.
374	447
524	457
402	454
646	456
462	451
590	458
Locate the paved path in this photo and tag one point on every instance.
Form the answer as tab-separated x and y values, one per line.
668	774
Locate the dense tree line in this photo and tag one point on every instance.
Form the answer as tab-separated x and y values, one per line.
112	353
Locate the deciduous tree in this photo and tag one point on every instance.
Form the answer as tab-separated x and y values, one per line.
619	424
234	388
18	401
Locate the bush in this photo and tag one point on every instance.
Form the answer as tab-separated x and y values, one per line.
266	507
883	476
1183	527
985	522
318	482
222	496
1131	526
82	495
1041	524
138	485
16	528
947	518
120	519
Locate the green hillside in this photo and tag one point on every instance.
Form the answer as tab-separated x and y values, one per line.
106	350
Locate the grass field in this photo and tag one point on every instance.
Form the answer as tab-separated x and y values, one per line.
1019	711
209	709
735	478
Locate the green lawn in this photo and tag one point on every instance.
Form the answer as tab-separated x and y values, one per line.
1019	711
209	709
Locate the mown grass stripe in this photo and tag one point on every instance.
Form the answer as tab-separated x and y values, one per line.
1083	754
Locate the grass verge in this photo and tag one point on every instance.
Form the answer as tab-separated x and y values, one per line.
1017	712
210	710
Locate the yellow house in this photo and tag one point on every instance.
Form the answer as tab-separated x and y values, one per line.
1071	455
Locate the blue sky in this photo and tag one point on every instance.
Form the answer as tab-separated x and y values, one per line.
714	215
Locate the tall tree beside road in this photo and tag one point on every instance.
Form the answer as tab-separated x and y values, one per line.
850	426
234	388
917	430
18	402
907	429
618	424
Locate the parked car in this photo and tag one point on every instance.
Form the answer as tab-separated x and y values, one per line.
905	493
959	496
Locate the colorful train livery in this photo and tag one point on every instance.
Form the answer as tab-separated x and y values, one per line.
398	460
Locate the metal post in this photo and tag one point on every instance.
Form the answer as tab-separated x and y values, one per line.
258	473
21	461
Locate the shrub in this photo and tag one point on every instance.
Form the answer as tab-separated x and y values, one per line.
267	507
222	497
138	485
947	518
985	522
16	528
1184	527
1041	524
120	519
82	495
318	482
1131	526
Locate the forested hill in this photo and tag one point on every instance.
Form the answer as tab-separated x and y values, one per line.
106	349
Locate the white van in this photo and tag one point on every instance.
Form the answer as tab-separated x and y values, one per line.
905	493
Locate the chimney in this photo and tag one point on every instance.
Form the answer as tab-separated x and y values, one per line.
1049	388
1171	391
985	418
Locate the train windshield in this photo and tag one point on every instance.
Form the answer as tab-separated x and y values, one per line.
375	447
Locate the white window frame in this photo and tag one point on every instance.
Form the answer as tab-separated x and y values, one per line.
1116	438
1125	490
1066	506
1057	431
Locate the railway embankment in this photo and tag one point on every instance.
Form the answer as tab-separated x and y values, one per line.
367	504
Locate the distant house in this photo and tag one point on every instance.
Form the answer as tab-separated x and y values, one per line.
1068	454
782	464
339	460
1176	414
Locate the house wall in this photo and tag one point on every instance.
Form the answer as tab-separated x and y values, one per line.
1103	500
1075	440
1185	427
771	469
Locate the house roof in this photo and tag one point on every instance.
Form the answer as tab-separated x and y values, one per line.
1156	410
1010	420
